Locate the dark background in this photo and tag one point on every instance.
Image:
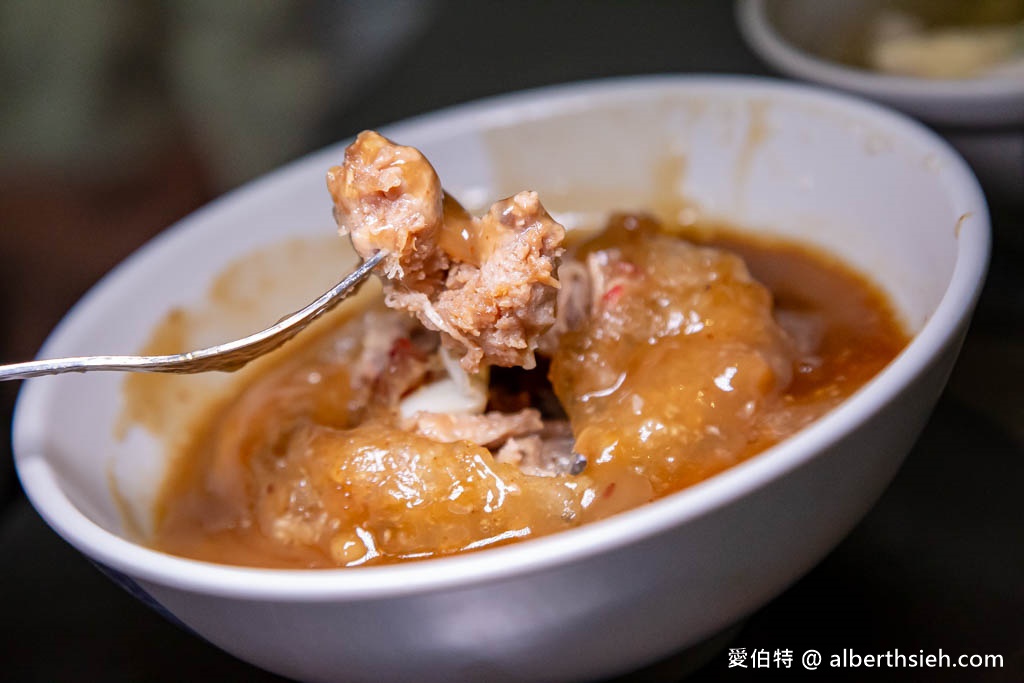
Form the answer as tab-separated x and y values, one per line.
939	562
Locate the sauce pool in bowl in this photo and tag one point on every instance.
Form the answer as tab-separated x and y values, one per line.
679	365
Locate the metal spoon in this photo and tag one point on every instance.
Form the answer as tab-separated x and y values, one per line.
226	357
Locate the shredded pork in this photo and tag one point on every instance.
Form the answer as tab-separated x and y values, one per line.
489	429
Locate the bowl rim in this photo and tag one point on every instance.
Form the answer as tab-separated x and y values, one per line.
762	36
616	532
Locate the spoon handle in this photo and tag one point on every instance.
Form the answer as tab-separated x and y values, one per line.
226	357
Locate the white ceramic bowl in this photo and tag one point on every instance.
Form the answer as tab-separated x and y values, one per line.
883	192
983	118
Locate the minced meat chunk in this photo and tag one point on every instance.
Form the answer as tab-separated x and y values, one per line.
388	198
488	284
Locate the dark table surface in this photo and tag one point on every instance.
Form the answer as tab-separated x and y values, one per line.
938	563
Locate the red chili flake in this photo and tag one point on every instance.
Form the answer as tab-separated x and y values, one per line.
402	345
404	348
609	490
611	297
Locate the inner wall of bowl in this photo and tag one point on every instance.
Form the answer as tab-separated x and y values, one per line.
762	162
763	159
113	471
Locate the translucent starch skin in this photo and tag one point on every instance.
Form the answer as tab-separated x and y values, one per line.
687	359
